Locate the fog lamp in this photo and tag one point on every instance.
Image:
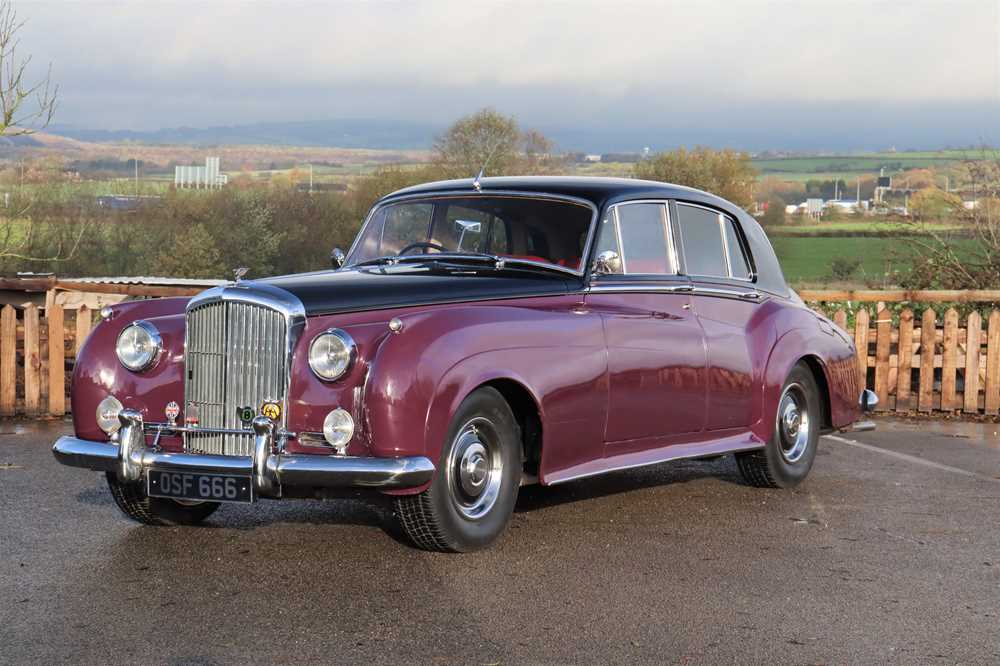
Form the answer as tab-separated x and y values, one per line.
338	428
107	415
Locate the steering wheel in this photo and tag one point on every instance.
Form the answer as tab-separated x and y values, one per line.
413	246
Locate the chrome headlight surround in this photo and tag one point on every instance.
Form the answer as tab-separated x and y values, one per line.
331	354
138	346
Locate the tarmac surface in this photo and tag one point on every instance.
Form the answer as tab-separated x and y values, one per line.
888	553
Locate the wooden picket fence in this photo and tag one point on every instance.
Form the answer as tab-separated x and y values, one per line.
36	357
929	365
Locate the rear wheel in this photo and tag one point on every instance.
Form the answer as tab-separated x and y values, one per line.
787	458
472	496
132	499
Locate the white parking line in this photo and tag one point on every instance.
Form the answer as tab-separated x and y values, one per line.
912	459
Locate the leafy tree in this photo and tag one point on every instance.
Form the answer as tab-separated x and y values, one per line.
726	173
192	254
488	139
775	213
934	203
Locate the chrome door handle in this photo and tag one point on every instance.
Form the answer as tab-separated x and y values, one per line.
683	288
751	295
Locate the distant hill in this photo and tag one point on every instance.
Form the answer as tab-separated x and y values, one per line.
350	133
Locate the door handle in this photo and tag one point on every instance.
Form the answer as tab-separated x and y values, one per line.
750	295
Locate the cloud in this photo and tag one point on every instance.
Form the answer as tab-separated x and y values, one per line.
146	65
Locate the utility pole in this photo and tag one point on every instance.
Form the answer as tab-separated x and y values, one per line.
310	178
136	160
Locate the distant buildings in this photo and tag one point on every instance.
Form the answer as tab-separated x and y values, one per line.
198	177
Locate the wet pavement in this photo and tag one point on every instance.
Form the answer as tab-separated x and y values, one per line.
889	553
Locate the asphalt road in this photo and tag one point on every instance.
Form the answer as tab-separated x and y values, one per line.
889	553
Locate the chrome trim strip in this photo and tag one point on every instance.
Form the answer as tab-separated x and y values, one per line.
658	461
466	194
639	288
270	469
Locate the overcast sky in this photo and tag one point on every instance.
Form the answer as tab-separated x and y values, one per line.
919	72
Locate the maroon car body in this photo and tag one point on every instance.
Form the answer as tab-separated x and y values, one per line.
604	367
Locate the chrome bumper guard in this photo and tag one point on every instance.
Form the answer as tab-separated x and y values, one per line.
270	468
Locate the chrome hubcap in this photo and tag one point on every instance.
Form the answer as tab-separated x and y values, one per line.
475	468
793	423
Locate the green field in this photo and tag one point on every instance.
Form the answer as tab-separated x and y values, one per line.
849	166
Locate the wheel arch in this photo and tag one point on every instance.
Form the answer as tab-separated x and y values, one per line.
529	420
818	371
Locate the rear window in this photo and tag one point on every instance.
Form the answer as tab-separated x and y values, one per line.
711	243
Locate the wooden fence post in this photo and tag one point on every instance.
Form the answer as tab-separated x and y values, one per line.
84	322
904	360
883	336
840	319
57	360
8	360
861	342
928	327
949	357
992	398
32	361
970	397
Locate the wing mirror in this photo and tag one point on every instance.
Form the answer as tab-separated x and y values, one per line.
337	258
607	262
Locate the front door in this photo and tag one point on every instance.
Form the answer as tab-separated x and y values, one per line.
655	346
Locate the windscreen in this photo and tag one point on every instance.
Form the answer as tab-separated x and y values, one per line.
542	230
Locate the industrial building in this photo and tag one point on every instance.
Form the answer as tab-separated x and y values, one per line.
198	177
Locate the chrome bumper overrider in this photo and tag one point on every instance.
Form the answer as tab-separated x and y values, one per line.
270	469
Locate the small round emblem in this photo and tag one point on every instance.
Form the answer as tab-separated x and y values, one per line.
271	410
172	411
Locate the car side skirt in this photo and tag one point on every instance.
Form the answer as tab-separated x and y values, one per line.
744	441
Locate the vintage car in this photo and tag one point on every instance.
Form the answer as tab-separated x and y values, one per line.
479	335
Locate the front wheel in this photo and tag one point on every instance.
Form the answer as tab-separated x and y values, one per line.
788	456
472	496
132	499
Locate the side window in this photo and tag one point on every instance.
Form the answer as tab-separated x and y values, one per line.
739	267
639	233
701	237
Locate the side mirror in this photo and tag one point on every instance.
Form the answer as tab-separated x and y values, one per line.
607	262
337	258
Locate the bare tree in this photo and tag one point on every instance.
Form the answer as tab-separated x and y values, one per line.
24	107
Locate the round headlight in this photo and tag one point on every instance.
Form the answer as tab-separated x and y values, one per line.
338	428
107	415
138	346
331	354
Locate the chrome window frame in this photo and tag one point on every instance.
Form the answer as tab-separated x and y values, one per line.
672	257
721	219
472	194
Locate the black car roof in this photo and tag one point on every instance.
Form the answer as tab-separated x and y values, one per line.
596	190
603	191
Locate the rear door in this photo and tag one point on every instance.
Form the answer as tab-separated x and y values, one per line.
656	352
716	258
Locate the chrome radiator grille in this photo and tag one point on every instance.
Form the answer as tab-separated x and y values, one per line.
235	358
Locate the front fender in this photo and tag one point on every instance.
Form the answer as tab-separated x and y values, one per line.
420	376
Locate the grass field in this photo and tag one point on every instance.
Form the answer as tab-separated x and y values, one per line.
807	260
849	166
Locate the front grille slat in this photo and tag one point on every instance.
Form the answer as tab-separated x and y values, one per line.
234	358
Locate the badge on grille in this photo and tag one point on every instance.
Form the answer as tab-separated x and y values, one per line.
245	414
172	411
271	410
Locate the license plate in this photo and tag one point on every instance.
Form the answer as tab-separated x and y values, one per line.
200	487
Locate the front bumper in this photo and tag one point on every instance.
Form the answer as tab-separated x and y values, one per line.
270	469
